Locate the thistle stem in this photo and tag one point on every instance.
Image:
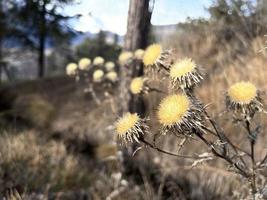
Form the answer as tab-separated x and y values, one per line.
224	157
220	134
252	149
153	146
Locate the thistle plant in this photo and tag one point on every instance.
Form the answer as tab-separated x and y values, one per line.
182	114
89	75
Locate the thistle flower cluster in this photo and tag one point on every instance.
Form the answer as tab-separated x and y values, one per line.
176	112
98	71
180	112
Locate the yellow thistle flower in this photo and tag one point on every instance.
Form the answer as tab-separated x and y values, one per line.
98	60
139	53
243	97
152	54
112	76
137	85
98	75
181	114
172	109
109	66
242	92
71	69
185	73
130	127
124	57
84	63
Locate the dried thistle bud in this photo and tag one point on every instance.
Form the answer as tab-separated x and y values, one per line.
185	74
179	113
109	66
138	86
125	57
98	61
98	75
244	98
139	53
112	76
130	127
84	63
154	57
71	69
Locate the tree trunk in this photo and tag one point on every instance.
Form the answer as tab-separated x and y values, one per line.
138	26
42	38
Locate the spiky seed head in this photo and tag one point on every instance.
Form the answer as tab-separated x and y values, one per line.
152	54
98	61
172	109
243	97
109	66
124	57
84	63
242	92
139	53
137	85
98	75
129	127
71	69
185	73
181	114
112	76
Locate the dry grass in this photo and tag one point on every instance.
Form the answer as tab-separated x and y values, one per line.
27	160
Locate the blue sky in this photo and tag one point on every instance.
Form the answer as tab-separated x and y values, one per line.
112	14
